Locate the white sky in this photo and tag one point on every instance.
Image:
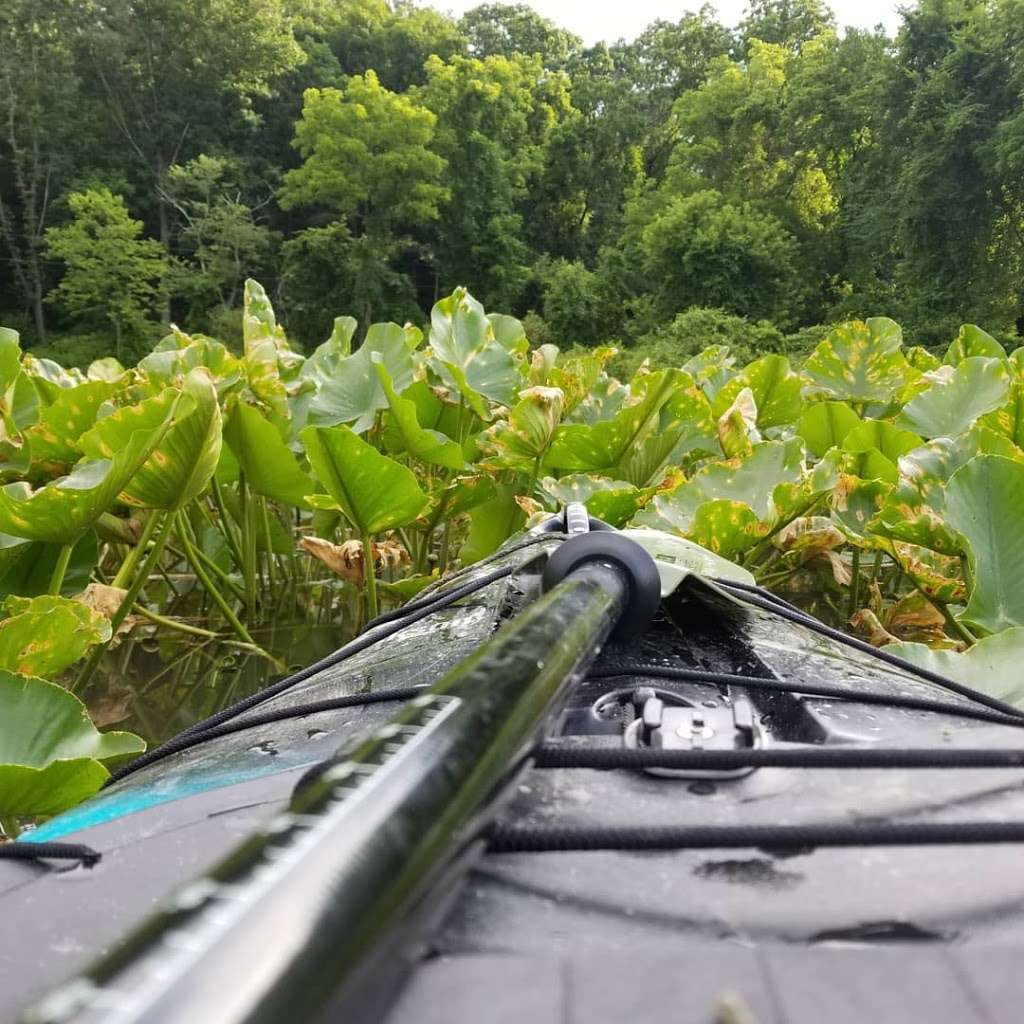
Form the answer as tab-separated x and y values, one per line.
595	20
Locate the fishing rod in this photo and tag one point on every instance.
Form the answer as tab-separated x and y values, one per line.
320	912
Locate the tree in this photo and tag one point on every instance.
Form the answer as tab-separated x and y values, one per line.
701	250
220	241
112	275
367	162
504	30
41	113
176	76
952	100
788	23
393	39
494	119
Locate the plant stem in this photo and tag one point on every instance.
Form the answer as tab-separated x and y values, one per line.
370	576
879	555
270	547
854	584
248	542
218	598
57	579
175	624
125	573
956	628
217	571
227	527
9	826
129	599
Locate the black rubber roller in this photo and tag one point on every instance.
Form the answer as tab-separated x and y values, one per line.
635	563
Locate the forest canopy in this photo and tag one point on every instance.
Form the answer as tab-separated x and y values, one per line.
698	183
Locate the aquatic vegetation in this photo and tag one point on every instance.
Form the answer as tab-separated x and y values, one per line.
876	486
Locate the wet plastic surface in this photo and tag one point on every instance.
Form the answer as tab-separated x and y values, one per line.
755	923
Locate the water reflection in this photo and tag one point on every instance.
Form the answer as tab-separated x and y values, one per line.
158	684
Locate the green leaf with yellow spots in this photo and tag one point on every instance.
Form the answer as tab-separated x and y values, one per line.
855	503
913	510
577	375
180	465
727	528
522	440
737	426
612	501
983	503
972	341
776	390
63	510
978	385
1008	420
751	481
51	756
602	446
42	636
860	361
179	354
53	441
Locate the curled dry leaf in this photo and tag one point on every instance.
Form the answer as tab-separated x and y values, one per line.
346	559
866	623
528	505
105	600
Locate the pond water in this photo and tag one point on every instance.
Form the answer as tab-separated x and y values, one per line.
157	685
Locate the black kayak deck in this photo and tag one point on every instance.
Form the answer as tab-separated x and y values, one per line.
900	933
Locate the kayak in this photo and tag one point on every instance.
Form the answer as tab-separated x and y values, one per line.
597	777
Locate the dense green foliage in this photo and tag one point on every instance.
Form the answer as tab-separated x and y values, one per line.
372	155
876	486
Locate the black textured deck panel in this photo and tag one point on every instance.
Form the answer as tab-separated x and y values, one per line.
887	984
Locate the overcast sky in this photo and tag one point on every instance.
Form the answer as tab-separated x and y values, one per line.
595	20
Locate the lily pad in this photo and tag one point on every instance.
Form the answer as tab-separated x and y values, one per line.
983	503
978	385
860	361
51	755
44	635
992	665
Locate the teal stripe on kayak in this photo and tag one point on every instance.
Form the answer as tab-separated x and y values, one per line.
119	803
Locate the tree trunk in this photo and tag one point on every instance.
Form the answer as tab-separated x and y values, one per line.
165	231
38	318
